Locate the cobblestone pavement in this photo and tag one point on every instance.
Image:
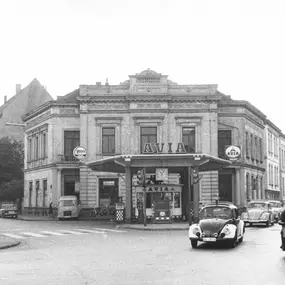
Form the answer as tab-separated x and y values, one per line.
140	257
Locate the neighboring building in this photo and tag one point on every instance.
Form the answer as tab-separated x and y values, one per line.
241	124
109	120
272	190
282	166
25	100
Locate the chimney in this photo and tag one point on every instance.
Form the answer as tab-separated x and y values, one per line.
5	99
18	88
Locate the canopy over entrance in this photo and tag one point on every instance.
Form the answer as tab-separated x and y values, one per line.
118	163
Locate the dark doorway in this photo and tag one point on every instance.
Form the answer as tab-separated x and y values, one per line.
225	187
108	191
70	186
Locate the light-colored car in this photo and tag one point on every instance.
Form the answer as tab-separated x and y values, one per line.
218	222
68	208
258	212
8	210
277	209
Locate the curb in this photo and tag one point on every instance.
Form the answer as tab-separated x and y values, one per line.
16	243
156	229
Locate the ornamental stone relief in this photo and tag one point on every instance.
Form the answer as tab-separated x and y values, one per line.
109	106
188	105
39	118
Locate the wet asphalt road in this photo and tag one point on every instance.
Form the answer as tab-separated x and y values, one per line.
107	256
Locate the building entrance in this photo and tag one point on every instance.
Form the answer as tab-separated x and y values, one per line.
108	192
225	187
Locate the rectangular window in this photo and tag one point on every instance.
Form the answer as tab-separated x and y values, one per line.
36	147
247	187
30	193
44	192
37	192
224	138
71	141
188	139
256	152
246	145
108	140
148	135
44	145
251	146
261	150
30	150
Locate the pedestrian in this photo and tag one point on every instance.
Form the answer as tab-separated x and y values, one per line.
282	220
50	211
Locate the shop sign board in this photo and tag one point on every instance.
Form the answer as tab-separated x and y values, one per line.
79	152
233	152
108	183
159	188
163	148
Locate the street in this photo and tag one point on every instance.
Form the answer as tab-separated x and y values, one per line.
85	252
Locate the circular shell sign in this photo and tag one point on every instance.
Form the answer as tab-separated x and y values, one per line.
233	152
79	152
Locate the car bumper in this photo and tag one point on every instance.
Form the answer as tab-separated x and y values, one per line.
211	239
255	221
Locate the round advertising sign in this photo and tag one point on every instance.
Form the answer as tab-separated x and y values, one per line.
233	152
79	152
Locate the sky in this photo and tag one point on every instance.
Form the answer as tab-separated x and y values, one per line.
239	45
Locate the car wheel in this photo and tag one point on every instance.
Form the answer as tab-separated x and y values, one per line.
194	243
241	239
267	223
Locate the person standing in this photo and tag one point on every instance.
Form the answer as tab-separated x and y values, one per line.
50	211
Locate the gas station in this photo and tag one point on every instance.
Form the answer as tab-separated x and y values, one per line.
184	193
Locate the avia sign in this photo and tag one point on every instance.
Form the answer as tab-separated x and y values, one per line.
163	148
79	152
233	152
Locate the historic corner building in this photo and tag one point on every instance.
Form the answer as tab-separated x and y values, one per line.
115	120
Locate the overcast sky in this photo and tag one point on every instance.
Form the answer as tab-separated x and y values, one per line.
238	45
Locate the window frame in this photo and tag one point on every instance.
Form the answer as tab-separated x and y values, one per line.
193	130
148	136
108	152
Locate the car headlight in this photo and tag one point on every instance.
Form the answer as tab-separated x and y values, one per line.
226	231
196	230
264	216
244	215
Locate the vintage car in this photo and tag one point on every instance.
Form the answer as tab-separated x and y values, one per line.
218	222
276	208
258	212
68	208
8	210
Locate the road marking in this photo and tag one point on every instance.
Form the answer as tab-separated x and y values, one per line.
13	236
90	231
52	233
116	231
71	232
33	234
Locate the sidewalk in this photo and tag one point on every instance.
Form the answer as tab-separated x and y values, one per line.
156	227
6	242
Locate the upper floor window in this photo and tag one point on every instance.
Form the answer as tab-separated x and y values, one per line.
71	141
30	149
44	146
224	138
256	149
251	146
246	145
108	140
188	139
148	135
36	147
261	150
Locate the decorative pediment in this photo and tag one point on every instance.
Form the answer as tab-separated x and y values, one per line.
148	73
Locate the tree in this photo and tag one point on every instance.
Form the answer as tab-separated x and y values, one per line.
11	169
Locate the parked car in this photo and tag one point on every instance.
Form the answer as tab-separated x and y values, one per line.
68	207
277	209
258	212
218	222
8	210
